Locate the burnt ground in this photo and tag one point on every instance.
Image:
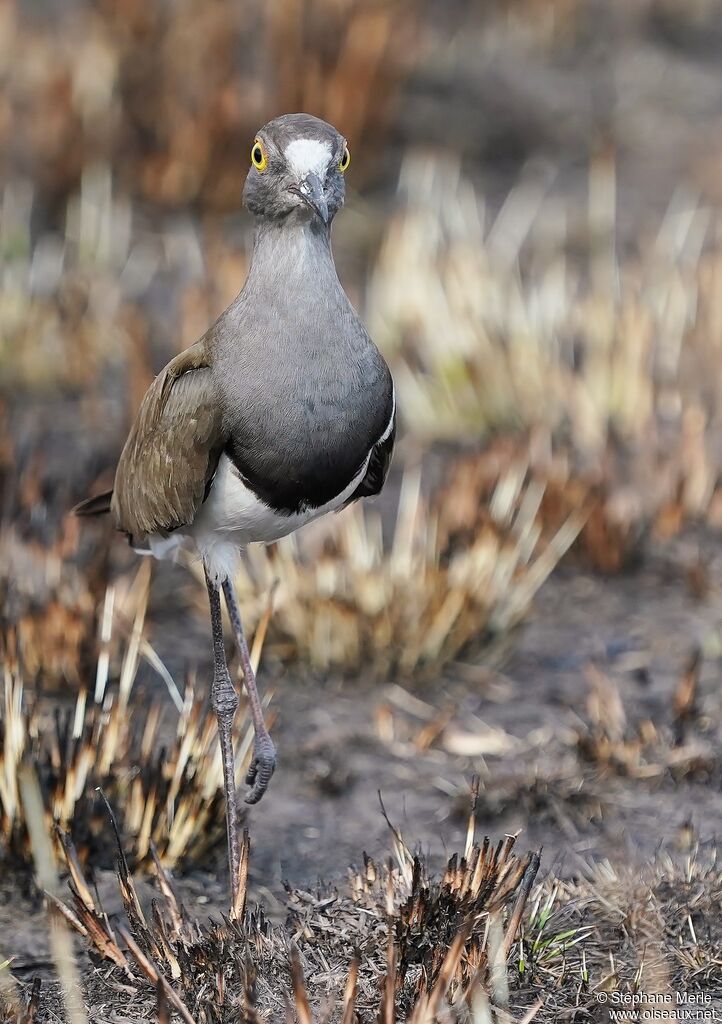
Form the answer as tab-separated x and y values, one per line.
516	724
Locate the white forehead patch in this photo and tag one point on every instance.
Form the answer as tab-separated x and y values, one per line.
308	155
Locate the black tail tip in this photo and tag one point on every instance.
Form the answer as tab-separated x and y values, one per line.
96	506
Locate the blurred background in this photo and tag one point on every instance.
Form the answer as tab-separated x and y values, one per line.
533	235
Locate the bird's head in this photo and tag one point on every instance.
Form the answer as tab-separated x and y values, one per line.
297	168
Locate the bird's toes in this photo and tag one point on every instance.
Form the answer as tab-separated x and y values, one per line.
260	772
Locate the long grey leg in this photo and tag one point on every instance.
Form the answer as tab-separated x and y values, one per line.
264	751
224	701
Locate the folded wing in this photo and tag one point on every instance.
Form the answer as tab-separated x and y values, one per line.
172	451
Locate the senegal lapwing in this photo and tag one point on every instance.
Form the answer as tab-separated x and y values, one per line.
283	411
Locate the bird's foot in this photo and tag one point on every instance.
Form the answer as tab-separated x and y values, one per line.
261	769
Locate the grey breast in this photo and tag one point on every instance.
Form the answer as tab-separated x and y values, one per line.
304	391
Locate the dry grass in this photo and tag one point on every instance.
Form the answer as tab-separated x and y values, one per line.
398	942
622	930
603	367
531	320
164	781
615	743
395	942
170	96
166	796
611	529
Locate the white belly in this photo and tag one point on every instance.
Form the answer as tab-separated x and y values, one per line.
232	508
232	516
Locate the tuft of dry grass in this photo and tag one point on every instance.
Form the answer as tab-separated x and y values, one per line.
166	796
164	781
397	942
610	532
615	744
654	931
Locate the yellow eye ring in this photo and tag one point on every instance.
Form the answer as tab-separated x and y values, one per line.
259	157
344	161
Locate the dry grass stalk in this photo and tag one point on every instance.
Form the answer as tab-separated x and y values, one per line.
685	697
61	945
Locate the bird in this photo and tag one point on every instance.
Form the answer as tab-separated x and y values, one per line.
282	412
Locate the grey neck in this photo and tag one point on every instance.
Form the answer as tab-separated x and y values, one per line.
292	252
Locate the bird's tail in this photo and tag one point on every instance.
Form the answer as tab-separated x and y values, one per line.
96	506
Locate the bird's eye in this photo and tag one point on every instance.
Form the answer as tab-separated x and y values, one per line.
344	161
259	157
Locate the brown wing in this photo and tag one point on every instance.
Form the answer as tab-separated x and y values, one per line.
172	450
